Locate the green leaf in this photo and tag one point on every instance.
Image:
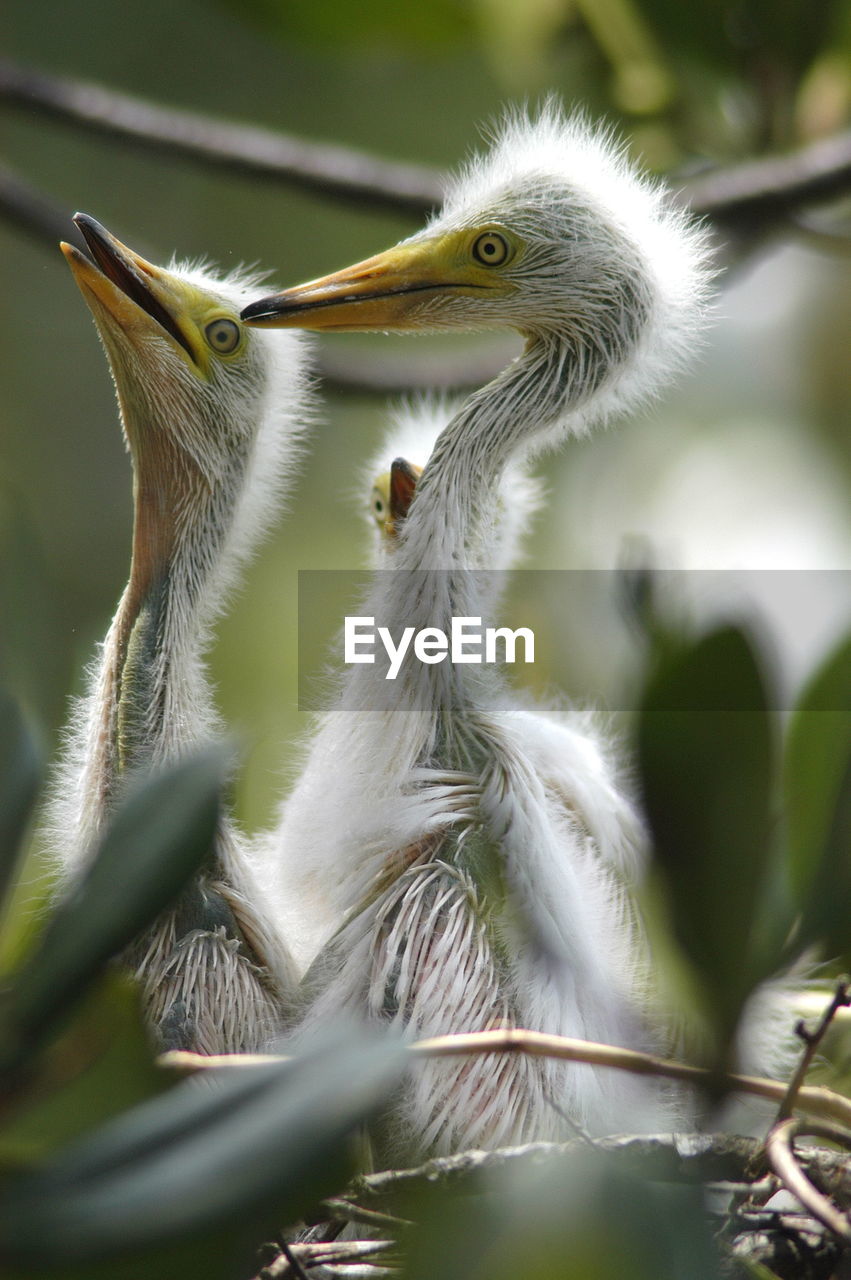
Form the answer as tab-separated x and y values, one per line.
20	773
705	747
97	1068
818	749
265	1141
158	838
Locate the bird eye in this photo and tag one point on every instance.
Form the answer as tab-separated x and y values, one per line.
223	336
378	506
490	248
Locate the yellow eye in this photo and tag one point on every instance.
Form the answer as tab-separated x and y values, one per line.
223	336
491	249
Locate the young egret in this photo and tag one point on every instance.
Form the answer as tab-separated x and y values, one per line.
506	917
391	497
211	414
568	747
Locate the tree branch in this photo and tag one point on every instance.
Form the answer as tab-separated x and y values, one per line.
761	191
329	1255
781	1156
815	1100
661	1157
765	191
752	196
34	213
812	1040
340	172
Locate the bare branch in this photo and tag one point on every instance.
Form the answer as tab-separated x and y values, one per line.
781	1156
34	213
753	192
815	1100
765	191
752	196
812	1040
662	1157
295	1259
341	172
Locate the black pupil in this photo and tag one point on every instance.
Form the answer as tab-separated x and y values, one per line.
222	334
490	246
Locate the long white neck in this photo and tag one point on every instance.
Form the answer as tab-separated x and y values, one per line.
446	535
149	699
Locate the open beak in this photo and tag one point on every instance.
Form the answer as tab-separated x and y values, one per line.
389	291
133	292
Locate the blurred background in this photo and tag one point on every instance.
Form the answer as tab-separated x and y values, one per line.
745	466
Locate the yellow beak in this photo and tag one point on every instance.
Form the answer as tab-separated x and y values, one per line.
132	292
393	290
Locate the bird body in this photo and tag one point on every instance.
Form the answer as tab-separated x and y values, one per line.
500	912
212	420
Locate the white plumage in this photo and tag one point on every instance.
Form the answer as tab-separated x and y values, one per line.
473	896
212	415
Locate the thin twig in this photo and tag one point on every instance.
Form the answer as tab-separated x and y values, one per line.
781	1156
815	1100
340	172
294	1264
349	1211
343	1253
812	1040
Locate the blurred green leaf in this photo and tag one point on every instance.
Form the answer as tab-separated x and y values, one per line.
817	793
705	756
20	772
158	837
97	1068
580	1219
266	1142
815	767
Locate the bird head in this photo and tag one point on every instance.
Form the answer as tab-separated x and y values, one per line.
195	386
553	233
392	494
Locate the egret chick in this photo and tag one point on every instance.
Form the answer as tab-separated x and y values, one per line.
571	750
507	917
392	493
212	414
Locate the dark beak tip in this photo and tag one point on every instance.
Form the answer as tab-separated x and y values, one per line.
259	310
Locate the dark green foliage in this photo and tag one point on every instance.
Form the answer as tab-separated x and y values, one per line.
261	1142
817	793
159	836
706	755
104	1170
